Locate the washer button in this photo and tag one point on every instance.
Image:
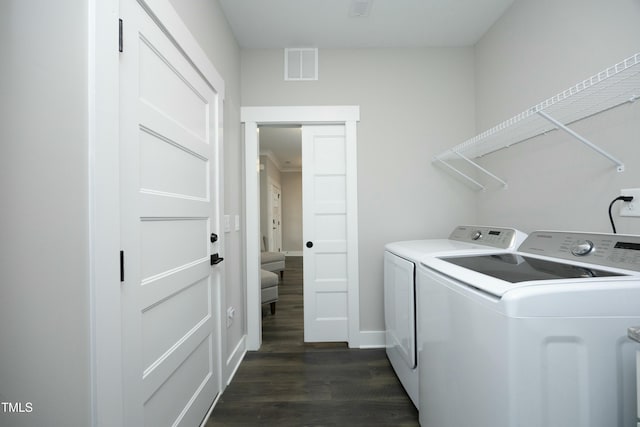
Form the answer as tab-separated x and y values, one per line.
582	247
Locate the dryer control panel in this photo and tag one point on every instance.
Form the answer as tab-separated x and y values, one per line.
497	237
610	250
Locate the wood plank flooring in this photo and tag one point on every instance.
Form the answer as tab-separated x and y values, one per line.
290	383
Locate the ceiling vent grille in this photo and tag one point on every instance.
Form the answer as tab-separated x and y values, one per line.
360	8
301	64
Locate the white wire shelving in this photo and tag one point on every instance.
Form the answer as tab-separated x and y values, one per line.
610	88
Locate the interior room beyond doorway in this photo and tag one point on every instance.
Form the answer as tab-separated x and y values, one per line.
281	189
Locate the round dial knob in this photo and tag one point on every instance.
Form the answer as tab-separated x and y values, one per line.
582	247
476	235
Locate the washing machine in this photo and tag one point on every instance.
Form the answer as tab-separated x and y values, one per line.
532	338
400	259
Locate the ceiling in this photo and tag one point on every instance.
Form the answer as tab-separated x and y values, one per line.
385	23
283	144
277	24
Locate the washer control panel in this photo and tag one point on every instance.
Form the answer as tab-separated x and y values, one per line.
610	250
497	237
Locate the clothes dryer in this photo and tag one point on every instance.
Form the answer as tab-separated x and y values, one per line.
400	259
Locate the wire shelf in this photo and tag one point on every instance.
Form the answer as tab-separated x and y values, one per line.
614	86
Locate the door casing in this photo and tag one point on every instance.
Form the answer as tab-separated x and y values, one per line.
252	117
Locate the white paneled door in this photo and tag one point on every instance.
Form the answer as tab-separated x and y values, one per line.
170	206
325	234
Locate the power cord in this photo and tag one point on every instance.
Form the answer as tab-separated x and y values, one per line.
623	198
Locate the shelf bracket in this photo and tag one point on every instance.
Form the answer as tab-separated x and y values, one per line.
464	175
619	164
477	166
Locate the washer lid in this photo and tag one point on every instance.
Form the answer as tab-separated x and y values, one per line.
414	250
515	268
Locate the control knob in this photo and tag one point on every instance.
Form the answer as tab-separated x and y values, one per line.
476	235
582	247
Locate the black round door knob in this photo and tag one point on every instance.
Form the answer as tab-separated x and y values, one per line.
309	244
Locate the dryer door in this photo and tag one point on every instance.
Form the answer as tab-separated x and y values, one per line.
399	307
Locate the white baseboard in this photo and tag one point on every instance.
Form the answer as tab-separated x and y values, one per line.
235	358
233	363
213	405
372	339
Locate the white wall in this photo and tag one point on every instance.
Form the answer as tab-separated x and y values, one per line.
537	49
413	104
44	261
291	211
208	25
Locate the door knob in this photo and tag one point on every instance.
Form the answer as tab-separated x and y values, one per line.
309	244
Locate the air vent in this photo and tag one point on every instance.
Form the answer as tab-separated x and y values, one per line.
360	8
301	64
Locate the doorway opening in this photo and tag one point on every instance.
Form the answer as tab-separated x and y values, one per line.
280	150
252	117
281	188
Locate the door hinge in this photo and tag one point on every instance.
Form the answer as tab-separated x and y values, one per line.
122	266
120	37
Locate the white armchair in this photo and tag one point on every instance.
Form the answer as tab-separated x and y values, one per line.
269	288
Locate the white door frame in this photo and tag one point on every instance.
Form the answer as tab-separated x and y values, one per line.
104	214
104	198
271	185
300	115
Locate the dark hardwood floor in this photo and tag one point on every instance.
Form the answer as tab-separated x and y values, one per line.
290	383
